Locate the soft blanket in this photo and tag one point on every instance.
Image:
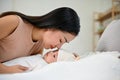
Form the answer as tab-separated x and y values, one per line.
100	66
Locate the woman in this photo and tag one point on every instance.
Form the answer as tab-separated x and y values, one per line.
22	35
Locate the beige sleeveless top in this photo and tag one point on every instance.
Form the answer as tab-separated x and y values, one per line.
19	43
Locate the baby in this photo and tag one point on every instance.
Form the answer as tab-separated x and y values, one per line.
38	61
61	55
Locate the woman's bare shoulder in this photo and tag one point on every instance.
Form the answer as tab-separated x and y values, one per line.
8	24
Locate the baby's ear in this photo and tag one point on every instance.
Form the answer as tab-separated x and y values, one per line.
77	57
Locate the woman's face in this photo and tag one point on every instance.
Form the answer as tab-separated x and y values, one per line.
55	38
51	56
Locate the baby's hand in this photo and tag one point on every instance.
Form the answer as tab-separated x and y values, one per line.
77	57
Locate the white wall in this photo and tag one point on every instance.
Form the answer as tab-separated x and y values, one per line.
6	5
84	8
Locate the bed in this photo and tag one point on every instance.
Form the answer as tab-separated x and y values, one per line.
104	65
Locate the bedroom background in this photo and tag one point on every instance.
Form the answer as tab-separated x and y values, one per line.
83	43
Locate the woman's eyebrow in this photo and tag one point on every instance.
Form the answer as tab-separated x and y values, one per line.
66	39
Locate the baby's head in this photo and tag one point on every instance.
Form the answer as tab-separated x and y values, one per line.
60	55
51	56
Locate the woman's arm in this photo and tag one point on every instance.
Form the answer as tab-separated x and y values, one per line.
7	25
11	69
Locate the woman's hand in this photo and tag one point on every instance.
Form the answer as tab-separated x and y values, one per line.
13	69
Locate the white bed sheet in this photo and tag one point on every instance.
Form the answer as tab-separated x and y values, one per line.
103	66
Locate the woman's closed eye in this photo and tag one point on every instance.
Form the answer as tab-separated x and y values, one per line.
54	56
60	40
64	40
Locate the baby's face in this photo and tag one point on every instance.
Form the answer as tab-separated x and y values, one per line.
51	56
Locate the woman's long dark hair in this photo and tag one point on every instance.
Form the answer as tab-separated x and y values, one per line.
64	19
